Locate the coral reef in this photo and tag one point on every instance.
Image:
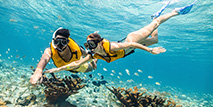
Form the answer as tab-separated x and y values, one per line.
58	90
136	99
28	100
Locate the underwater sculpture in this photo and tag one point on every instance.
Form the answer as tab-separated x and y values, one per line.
136	99
58	90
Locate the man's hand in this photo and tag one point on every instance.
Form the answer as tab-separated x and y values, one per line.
36	78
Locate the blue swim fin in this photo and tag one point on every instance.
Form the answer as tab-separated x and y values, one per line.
186	9
158	13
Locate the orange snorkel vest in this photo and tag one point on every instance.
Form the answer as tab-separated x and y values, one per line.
111	55
76	53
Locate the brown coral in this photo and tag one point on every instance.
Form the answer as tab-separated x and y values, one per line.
60	89
136	99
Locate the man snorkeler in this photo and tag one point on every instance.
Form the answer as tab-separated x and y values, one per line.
63	50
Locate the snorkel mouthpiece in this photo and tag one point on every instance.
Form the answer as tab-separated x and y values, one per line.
60	50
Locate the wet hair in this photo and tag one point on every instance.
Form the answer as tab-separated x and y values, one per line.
63	32
94	36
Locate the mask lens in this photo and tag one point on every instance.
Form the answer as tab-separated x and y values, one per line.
56	42
61	41
64	42
92	44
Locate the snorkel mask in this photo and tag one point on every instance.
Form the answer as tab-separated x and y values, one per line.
59	43
92	44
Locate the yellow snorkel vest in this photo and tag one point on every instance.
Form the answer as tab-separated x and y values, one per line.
111	55
76	54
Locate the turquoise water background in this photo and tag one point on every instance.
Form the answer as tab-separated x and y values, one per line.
26	28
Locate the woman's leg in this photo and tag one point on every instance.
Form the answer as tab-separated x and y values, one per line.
152	40
141	35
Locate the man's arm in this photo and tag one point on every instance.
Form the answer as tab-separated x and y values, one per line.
40	67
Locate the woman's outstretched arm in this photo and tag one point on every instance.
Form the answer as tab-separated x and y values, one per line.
72	65
125	45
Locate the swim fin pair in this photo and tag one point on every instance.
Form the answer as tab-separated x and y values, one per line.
182	10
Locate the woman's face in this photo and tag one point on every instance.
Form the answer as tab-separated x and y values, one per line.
92	44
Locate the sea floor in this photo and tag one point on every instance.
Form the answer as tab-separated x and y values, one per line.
15	88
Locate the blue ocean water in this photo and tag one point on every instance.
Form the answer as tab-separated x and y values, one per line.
26	28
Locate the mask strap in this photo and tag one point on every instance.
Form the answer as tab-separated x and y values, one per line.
54	37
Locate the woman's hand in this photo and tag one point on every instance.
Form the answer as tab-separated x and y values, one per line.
36	78
158	50
94	64
53	70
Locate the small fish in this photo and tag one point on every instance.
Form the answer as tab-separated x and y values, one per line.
99	74
90	75
51	31
136	74
103	82
111	74
14	61
31	67
140	84
140	70
35	27
75	76
128	81
24	56
150	77
104	69
157	83
127	71
17	56
59	17
13	20
104	94
32	58
112	82
102	77
118	77
120	74
43	30
8	49
6	52
16	50
96	83
113	71
8	57
0	54
12	69
11	56
121	81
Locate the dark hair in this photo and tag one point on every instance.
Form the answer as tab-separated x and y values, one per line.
63	32
94	36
